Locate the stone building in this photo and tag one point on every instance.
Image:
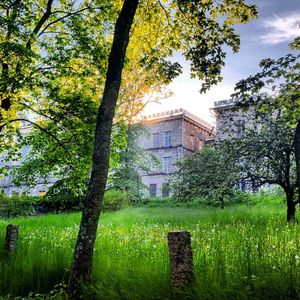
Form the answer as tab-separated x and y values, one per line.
172	135
232	122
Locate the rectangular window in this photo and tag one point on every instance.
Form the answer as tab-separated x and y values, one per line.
155	138
153	190
167	164
165	190
168	138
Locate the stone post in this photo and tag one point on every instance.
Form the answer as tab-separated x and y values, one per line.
11	239
181	263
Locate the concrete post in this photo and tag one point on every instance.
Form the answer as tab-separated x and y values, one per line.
181	262
11	239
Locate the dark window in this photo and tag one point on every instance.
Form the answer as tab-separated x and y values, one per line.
165	191
155	140
153	190
168	138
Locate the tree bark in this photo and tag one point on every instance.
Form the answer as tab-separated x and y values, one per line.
11	239
291	207
181	264
297	156
83	253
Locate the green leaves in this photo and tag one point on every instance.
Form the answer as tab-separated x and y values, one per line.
54	60
203	34
211	174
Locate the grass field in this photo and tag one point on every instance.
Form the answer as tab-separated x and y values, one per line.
239	253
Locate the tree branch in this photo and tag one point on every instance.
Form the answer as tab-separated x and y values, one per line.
43	130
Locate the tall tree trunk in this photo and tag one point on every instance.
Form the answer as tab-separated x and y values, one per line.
297	155
291	209
83	253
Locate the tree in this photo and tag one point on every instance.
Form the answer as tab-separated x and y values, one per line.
210	174
83	254
196	32
62	106
27	29
280	78
265	155
131	161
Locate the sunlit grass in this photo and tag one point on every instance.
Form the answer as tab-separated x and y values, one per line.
239	253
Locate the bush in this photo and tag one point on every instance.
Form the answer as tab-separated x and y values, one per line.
58	204
114	200
59	198
157	202
235	198
267	198
16	205
13	206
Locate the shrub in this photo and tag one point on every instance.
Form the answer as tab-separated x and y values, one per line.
114	200
266	198
16	205
12	206
57	204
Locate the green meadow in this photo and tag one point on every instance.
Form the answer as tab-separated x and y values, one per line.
239	253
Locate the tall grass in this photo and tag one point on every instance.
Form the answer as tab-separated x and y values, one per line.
239	253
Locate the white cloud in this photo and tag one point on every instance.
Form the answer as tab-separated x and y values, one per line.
281	29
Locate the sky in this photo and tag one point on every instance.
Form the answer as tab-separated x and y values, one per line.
277	25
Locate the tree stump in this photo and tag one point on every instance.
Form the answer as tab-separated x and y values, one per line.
11	239
181	263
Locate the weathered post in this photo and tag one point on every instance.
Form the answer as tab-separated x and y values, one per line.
11	239
181	264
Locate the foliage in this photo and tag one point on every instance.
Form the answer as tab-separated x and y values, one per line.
281	78
266	199
236	198
16	205
239	253
210	174
265	152
34	37
62	42
192	27
114	200
132	160
64	114
21	205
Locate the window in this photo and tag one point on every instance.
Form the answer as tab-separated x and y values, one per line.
155	137
153	190
167	164
165	190
168	138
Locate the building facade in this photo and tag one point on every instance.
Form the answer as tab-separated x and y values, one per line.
172	135
232	122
